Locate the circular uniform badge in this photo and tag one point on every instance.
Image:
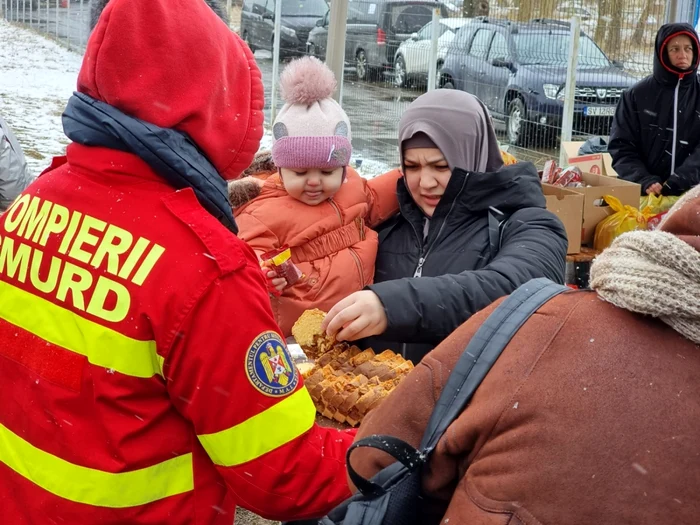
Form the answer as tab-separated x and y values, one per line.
269	366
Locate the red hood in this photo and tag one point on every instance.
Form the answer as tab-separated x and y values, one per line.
175	64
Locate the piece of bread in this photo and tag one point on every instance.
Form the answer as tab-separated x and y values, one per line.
308	334
345	383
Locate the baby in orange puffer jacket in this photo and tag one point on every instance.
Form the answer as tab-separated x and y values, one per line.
310	200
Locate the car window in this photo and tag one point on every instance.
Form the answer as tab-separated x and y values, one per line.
499	47
362	12
248	6
259	7
463	36
311	8
407	19
480	43
427	32
553	49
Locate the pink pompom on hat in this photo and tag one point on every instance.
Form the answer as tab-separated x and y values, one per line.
311	130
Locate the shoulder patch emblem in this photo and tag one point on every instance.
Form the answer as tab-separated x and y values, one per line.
269	366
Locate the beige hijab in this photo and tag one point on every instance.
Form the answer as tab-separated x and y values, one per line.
458	124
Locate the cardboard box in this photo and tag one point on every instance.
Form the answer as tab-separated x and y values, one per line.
568	206
595	209
598	163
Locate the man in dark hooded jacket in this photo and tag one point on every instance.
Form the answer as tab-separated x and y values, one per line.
655	136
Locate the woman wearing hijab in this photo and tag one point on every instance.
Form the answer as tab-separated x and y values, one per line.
469	231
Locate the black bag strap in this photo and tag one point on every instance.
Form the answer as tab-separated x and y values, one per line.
482	352
401	451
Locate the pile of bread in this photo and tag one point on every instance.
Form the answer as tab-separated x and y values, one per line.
345	382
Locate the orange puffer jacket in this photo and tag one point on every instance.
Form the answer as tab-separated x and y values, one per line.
331	243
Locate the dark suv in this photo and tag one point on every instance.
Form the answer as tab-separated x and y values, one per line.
518	70
375	30
298	18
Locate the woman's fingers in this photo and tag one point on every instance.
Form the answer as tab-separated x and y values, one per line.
333	313
343	319
355	330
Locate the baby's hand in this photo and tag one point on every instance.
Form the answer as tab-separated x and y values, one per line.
278	283
275	284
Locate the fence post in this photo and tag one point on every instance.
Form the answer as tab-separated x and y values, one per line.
81	17
335	49
276	60
68	28
567	122
434	35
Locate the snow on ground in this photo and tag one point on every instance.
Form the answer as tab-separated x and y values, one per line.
37	76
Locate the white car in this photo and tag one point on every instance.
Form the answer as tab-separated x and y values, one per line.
412	59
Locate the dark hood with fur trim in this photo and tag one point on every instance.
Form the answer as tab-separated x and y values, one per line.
97	6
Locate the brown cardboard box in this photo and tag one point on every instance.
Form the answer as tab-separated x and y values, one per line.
598	164
594	207
568	206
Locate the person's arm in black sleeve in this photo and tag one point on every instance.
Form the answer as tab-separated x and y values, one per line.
428	309
625	144
686	176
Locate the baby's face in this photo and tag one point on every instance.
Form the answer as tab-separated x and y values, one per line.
312	186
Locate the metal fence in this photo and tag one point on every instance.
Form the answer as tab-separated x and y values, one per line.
513	54
64	20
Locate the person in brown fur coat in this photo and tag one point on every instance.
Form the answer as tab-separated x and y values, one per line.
591	413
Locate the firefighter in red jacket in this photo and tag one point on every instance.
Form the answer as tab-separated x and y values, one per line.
142	375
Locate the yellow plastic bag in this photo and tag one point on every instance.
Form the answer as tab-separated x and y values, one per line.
624	219
657	203
508	158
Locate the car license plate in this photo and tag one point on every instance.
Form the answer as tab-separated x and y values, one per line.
599	111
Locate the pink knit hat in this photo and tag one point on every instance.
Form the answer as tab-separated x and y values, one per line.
312	130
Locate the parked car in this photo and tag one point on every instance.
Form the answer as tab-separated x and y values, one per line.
518	70
412	60
375	29
298	18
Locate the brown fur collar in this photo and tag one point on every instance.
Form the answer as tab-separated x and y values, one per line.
248	186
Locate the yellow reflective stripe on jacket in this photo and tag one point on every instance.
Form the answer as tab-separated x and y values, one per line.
95	487
59	326
262	433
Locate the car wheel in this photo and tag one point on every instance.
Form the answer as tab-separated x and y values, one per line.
361	65
246	39
516	124
399	72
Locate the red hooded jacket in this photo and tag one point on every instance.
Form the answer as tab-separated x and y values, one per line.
143	377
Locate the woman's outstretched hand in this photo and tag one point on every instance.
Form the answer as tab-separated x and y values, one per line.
358	315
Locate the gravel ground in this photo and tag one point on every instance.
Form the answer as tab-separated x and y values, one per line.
243	517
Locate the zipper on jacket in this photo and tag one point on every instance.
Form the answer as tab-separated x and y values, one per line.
358	263
419	268
423	256
356	257
675	125
337	211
